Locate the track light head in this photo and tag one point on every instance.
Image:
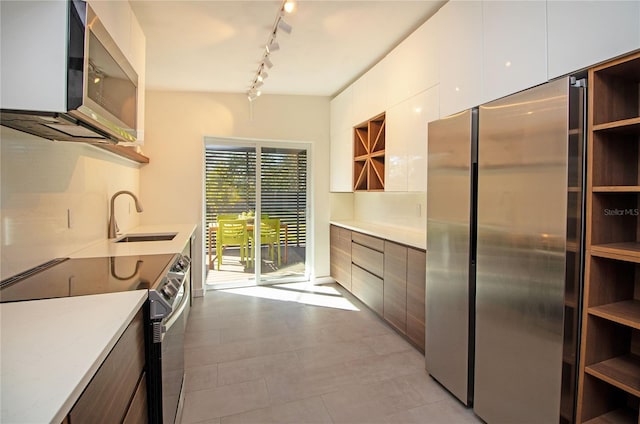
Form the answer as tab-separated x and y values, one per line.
273	46
267	62
289	6
284	26
252	95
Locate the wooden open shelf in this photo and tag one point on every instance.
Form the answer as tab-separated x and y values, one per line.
631	125
125	152
609	380
368	154
626	312
617	416
622	372
616	189
626	251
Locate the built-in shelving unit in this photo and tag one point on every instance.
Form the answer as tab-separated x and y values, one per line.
609	389
368	154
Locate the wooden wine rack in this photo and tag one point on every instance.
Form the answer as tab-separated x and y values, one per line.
368	154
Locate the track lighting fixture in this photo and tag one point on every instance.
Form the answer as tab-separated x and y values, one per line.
284	26
271	46
289	6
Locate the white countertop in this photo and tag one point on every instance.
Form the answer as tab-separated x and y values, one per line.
402	235
110	248
50	349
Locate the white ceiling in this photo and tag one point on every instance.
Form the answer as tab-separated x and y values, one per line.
217	46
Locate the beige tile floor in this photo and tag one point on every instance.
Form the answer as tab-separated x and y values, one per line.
273	355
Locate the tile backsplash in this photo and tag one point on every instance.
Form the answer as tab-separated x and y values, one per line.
55	197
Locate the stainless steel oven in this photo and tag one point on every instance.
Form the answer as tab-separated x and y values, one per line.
166	359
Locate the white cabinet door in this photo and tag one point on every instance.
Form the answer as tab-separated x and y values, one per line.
406	141
341	111
460	56
423	57
341	166
360	98
515	46
395	154
376	90
400	73
582	34
423	108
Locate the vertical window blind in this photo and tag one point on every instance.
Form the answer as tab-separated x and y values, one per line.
231	189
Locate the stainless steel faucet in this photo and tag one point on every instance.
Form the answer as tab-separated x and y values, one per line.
113	226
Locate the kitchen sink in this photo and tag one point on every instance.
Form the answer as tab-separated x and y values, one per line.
131	238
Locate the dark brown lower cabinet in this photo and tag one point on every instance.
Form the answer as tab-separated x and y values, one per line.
340	255
138	412
416	287
390	278
109	394
395	285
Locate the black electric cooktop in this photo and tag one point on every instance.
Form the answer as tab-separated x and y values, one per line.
84	276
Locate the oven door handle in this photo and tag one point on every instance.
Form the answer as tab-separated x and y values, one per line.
173	317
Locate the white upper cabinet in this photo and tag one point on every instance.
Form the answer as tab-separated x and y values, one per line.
341	111
460	56
376	95
582	34
406	141
423	108
360	100
514	47
341	147
395	154
341	166
412	66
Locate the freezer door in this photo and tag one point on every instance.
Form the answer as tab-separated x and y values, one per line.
448	252
522	222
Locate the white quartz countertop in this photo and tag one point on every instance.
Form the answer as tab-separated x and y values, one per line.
50	349
110	248
402	235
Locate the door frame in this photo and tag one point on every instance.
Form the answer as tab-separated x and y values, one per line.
258	144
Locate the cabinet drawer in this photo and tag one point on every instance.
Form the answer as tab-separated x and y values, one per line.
369	259
368	241
368	288
107	396
137	413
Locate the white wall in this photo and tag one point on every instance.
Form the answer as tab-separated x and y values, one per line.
389	208
176	124
40	180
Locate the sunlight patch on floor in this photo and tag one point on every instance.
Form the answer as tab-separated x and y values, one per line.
286	294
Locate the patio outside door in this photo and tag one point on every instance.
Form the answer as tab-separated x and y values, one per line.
260	188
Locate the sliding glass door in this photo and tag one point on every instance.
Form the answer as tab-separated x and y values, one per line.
256	216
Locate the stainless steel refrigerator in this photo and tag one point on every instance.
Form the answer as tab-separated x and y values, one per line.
504	231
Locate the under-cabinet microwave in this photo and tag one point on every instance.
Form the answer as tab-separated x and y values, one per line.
63	76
